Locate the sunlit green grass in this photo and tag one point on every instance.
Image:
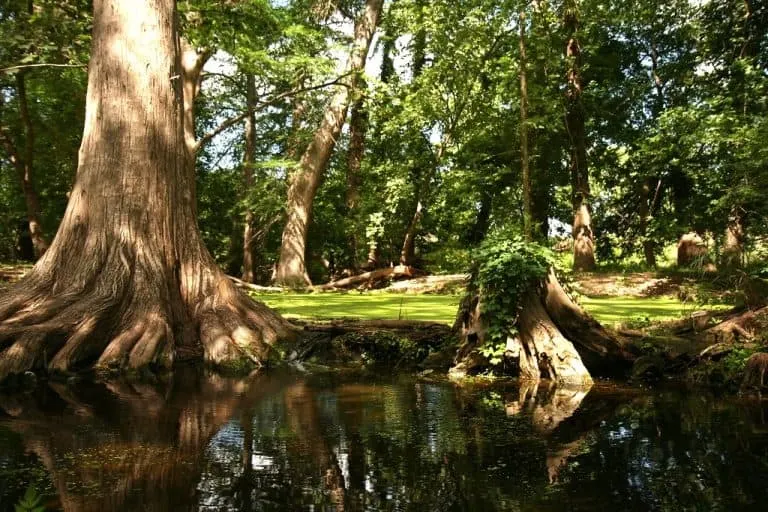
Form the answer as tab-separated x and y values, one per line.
435	308
612	310
442	308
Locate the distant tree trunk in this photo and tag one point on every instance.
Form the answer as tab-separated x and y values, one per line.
735	234
646	202
22	161
387	72
583	237
291	267
127	281
192	62
358	126
524	163
249	157
293	145
408	252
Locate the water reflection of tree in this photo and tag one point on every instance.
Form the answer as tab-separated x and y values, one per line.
670	451
125	446
414	446
291	444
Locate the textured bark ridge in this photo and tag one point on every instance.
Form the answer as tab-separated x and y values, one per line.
557	340
127	281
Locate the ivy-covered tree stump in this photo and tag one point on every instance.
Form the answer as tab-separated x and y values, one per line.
516	319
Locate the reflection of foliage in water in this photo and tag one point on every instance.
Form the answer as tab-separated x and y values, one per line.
397	444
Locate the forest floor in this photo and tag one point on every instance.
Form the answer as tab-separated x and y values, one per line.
442	308
615	299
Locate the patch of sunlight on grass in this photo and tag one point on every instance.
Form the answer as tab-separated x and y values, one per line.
379	306
611	310
442	308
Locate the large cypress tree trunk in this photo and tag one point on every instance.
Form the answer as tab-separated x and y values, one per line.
583	237
127	281
291	266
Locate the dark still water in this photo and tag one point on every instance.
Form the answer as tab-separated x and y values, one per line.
280	442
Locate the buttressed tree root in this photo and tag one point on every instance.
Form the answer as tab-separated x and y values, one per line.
556	339
127	282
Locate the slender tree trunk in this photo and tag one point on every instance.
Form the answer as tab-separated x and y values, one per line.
127	281
482	221
646	200
22	161
248	160
408	250
358	126
583	237
387	72
524	163
291	267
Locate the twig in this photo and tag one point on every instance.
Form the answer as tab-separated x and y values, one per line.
41	65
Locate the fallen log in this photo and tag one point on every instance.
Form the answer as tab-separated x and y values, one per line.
372	277
254	287
741	326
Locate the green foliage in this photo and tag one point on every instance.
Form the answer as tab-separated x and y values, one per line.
31	502
727	372
382	347
507	270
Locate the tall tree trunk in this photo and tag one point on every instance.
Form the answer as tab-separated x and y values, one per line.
646	200
127	281
583	237
358	126
387	72
408	250
291	267
249	157
524	163
22	161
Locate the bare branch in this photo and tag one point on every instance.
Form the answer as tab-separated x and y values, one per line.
41	65
205	139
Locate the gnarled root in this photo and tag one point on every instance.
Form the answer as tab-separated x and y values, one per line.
119	321
755	372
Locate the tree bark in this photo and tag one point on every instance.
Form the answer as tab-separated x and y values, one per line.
127	281
524	162
291	267
249	157
556	339
583	237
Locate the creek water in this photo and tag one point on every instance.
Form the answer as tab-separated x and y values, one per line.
292	442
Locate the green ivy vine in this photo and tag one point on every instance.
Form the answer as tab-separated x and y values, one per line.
505	269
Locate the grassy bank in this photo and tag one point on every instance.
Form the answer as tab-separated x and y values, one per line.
442	308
